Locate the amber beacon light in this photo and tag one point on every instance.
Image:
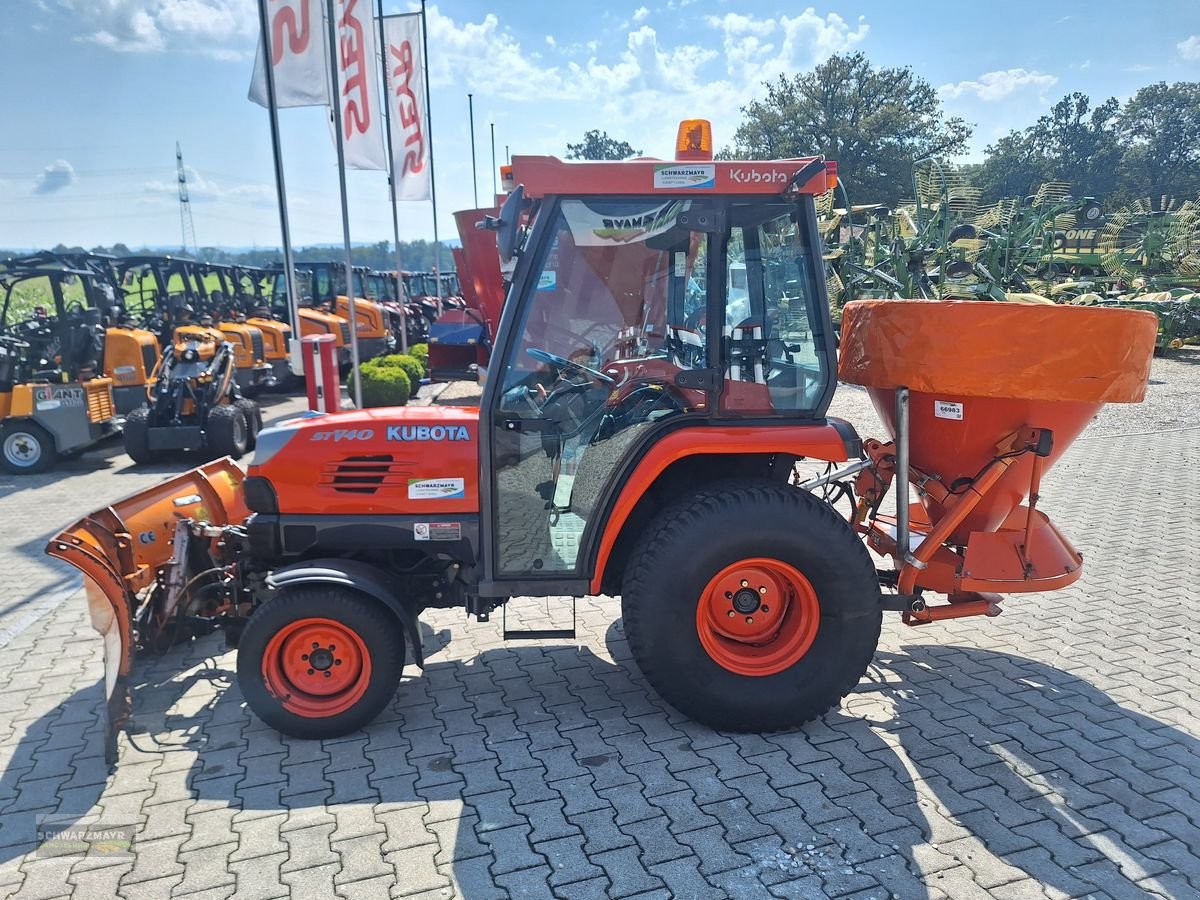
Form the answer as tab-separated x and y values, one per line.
694	140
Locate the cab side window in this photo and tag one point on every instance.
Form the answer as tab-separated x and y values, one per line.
772	360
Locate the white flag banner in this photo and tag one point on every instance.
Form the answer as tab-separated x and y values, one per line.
299	55
358	80
405	68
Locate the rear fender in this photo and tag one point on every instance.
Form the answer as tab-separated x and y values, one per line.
121	550
358	576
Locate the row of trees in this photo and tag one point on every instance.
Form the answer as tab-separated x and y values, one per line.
875	121
416	256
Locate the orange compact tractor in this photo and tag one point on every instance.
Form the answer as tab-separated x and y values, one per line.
641	433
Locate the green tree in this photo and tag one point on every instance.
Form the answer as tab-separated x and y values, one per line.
874	121
1014	167
1074	143
1080	144
1162	125
598	145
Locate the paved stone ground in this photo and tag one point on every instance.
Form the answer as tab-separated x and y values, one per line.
1052	751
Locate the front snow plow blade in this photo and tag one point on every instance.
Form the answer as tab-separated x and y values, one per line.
138	557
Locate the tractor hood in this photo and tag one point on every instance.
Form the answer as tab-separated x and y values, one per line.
397	461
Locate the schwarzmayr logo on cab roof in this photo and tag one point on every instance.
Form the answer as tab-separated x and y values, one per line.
684	176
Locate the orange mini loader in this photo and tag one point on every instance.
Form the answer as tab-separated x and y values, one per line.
640	435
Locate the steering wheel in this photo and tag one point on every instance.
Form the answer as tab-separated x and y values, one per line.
567	365
74	306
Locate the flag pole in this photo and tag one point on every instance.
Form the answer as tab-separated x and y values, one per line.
339	142
437	244
474	165
289	270
493	162
387	127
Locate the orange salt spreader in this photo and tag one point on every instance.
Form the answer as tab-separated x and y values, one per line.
980	400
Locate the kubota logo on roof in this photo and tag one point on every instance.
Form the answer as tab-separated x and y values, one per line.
754	176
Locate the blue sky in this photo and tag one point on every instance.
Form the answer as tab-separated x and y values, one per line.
98	91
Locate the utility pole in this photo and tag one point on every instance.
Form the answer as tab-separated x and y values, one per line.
186	225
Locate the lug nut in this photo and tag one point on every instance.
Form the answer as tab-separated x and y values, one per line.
749	620
732	614
315	645
762	589
745	583
729	595
337	662
328	673
304	656
312	671
766	608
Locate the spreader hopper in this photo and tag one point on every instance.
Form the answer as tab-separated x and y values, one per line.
980	399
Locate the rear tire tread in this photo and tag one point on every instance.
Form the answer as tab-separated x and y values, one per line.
677	522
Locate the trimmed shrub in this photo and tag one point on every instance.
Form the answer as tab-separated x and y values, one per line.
384	385
412	367
420	352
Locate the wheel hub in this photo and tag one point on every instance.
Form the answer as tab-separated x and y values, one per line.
746	601
317	667
758	617
22	449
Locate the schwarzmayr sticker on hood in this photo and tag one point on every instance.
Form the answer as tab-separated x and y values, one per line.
436	488
685	177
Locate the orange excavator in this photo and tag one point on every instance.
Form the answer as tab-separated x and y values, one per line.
641	434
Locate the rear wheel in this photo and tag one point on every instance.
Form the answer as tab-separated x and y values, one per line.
137	436
226	431
319	661
27	448
751	606
254	421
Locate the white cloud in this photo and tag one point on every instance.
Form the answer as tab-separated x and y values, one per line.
1189	48
205	190
641	14
487	56
757	50
218	28
56	176
998	85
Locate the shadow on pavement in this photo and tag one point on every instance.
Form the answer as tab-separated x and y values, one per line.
1051	774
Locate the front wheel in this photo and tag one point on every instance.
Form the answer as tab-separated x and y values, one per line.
254	420
751	606
317	661
226	431
137	436
27	447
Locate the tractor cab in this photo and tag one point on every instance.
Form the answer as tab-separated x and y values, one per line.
375	328
88	282
177	293
54	399
646	299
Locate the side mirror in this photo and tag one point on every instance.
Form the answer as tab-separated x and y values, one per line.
507	226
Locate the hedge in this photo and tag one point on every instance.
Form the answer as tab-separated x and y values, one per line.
420	352
384	385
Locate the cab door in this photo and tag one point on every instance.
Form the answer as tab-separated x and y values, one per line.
603	343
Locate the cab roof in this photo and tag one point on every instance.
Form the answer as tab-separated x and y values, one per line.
543	176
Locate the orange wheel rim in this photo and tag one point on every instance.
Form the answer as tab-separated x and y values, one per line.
758	617
317	668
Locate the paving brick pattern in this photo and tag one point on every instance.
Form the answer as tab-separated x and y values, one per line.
1051	752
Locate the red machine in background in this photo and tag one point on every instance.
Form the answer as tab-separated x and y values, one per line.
460	341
